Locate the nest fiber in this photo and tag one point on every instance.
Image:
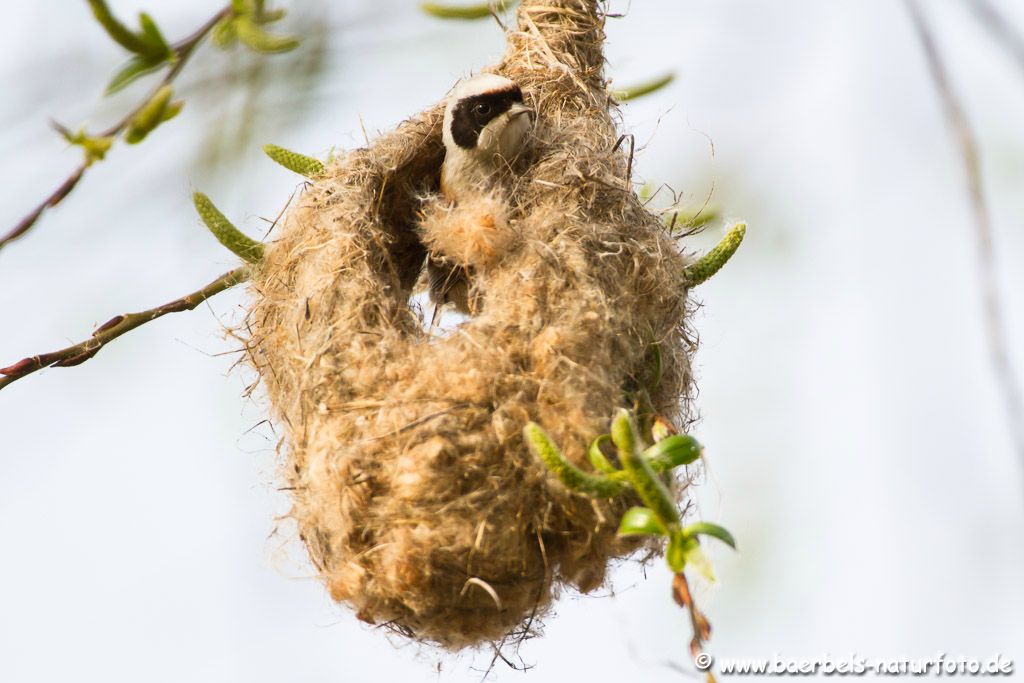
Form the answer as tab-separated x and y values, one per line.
413	490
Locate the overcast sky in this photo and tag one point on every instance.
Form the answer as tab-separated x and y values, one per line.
856	444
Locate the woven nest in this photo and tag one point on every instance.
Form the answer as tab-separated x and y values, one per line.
412	488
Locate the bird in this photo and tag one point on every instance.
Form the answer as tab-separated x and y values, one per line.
485	129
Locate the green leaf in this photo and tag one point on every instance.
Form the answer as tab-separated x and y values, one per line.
646	88
255	38
696	558
134	68
685	551
152	36
478	11
95	148
224	33
73	138
151	115
226	233
597	457
118	31
640	521
709	529
672	452
293	161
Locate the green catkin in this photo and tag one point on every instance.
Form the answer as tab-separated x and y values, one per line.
293	161
226	233
712	262
541	445
649	487
478	11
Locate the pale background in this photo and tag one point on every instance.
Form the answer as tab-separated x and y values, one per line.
857	446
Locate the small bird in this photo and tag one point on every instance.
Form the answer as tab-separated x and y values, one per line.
486	126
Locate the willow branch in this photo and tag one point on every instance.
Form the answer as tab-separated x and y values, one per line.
115	327
701	627
55	197
996	24
999	348
183	51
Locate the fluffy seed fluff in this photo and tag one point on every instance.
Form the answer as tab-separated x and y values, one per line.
413	491
473	234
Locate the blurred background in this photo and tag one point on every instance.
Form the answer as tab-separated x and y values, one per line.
857	445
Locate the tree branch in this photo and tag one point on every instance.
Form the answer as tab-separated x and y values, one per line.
999	348
996	24
115	327
183	50
55	197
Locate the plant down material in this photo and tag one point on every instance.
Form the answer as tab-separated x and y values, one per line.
414	492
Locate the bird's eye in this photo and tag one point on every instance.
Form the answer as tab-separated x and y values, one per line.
482	109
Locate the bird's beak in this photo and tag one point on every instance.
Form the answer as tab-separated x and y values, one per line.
519	109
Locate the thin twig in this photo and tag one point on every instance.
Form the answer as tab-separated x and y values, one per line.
183	50
115	327
996	24
55	197
999	348
701	627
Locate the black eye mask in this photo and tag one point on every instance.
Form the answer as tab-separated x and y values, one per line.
471	114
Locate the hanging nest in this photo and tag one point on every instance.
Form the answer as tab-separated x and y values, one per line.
412	488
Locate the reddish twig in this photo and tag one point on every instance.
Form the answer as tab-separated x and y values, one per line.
183	50
999	348
115	327
60	193
700	624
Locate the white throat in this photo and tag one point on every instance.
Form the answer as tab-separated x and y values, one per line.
499	144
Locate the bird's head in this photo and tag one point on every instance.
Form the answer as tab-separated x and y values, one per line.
486	121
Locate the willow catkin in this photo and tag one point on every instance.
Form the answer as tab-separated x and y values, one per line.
412	488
